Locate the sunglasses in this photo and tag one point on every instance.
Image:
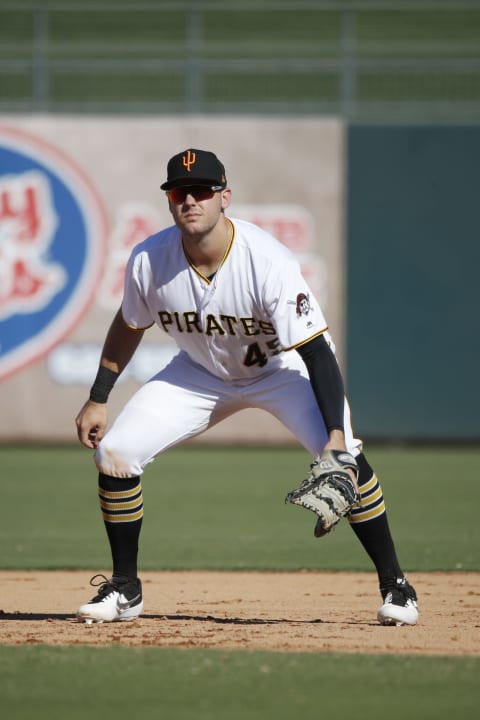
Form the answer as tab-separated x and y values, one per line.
199	192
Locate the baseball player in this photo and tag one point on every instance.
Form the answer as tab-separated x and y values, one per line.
250	333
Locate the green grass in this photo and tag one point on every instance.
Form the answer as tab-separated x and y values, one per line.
40	682
223	508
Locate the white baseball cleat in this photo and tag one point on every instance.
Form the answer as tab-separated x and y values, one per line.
399	603
114	601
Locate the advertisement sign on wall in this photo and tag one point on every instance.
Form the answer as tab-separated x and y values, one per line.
76	195
52	248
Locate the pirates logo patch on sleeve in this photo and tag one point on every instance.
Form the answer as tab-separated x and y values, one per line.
303	306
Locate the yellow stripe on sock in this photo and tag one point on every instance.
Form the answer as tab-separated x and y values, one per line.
361	516
365	502
121	505
120	493
366	487
371	504
123	518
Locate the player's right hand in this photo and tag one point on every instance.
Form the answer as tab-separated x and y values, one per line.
91	423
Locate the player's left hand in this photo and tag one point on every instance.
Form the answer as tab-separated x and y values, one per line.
329	491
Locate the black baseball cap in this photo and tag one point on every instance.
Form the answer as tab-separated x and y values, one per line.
194	167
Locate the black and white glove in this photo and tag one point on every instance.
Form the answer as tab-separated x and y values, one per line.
329	490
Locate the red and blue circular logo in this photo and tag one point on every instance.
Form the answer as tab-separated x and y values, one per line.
53	239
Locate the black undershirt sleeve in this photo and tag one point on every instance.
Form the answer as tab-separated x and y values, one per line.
326	379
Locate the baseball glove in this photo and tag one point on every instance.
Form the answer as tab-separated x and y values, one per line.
328	490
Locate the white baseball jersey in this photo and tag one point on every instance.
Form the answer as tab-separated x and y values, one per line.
232	331
235	325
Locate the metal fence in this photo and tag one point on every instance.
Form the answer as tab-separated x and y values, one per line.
372	61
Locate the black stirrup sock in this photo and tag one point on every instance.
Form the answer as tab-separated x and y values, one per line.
370	523
121	503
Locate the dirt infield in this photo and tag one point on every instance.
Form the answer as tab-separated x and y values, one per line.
287	611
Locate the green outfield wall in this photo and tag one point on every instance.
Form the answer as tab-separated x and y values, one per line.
413	281
383	219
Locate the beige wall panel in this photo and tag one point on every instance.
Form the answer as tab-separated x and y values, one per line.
285	173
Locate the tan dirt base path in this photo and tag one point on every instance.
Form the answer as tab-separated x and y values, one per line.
280	611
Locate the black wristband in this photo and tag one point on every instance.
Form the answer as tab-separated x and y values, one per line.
103	384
